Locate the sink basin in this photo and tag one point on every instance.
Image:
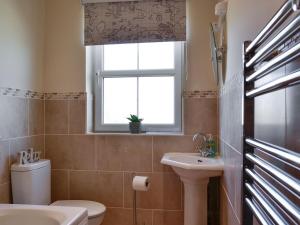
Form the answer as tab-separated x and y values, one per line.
191	167
11	214
194	171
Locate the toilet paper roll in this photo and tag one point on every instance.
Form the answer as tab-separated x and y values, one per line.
140	183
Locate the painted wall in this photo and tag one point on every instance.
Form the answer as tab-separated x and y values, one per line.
22	44
244	20
64	49
98	167
65	53
199	14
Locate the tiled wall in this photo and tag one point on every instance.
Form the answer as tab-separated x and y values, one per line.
100	167
21	127
231	131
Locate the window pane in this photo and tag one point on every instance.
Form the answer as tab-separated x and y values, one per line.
120	57
156	100
156	55
120	99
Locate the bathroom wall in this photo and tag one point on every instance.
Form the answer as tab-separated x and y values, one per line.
64	49
65	53
244	20
22	44
21	76
100	166
199	14
22	127
91	166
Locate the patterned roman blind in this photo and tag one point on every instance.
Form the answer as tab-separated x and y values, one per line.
135	21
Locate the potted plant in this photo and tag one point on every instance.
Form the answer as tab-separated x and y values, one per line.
134	124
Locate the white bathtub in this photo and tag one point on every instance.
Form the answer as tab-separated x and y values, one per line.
11	214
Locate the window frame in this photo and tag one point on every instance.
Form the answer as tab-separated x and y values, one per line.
177	72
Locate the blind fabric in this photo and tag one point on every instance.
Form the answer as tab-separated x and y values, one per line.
97	1
135	22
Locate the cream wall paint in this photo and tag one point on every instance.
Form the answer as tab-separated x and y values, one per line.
65	53
199	14
64	49
22	44
42	45
244	20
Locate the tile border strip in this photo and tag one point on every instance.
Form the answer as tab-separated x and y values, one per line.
200	94
65	96
19	93
13	92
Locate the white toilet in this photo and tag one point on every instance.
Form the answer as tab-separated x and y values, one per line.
31	184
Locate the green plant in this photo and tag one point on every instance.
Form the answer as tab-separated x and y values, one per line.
134	119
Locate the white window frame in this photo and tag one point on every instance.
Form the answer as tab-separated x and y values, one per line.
177	72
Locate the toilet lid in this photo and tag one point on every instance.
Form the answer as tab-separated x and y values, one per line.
94	208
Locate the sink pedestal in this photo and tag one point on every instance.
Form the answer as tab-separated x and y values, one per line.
194	171
195	201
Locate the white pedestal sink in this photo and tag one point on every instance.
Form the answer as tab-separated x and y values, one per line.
194	171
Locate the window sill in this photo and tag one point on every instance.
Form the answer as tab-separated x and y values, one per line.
140	134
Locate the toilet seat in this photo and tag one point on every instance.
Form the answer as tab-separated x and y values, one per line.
94	208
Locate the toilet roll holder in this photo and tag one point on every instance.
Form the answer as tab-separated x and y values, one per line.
147	184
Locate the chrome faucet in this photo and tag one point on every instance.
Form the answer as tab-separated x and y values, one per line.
204	144
200	142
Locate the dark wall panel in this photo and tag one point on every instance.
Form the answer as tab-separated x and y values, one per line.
270	117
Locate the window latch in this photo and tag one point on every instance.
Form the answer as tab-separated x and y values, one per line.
98	78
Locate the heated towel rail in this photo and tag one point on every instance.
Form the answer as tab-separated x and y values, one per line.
271	156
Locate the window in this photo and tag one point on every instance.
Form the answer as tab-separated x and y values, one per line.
142	79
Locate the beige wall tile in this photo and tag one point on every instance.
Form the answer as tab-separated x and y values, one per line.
56	117
4	162
228	216
231	179
75	152
200	115
57	148
5	194
77	116
167	217
36	116
21	144
164	192
125	153
110	189
100	152
164	144
13	117
119	216
82	148
103	187
83	185
59	185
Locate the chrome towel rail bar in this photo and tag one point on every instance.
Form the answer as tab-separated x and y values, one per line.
271	185
276	62
285	203
272	25
262	219
284	178
296	4
266	205
277	151
279	39
275	85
